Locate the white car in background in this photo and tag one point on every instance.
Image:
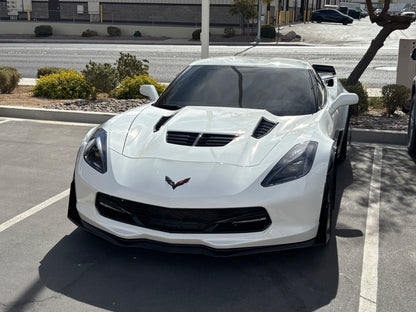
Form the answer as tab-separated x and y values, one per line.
238	155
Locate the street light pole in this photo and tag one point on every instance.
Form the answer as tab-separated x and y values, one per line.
259	21
205	29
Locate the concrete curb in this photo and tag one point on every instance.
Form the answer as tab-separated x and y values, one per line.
54	115
356	135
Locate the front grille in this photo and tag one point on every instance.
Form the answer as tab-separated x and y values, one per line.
179	220
199	139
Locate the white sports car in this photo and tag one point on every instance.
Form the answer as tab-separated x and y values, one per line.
238	155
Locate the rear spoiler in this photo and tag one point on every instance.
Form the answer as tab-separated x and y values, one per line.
324	69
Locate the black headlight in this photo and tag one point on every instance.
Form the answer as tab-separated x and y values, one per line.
296	163
95	153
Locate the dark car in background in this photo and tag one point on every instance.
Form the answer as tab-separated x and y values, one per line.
330	15
411	145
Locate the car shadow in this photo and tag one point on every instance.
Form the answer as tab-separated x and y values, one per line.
90	270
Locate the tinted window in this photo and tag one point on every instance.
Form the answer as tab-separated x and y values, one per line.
281	91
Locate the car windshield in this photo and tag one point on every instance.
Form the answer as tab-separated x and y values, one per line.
281	91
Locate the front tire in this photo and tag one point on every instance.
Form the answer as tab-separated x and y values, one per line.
345	22
326	225
411	130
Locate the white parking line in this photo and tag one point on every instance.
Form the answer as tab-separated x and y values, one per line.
369	275
3	121
33	210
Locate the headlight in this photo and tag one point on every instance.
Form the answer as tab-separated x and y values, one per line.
95	153
295	164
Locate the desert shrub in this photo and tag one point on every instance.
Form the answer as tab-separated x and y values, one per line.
9	79
229	32
376	102
196	34
129	66
358	89
130	87
395	96
113	31
268	31
89	33
137	34
47	70
63	85
100	78
43	31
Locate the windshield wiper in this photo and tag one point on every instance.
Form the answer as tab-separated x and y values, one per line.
170	107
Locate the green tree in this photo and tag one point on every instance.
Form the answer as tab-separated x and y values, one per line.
389	23
247	9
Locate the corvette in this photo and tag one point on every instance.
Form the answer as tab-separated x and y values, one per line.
238	155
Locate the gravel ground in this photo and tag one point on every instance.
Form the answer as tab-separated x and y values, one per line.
372	120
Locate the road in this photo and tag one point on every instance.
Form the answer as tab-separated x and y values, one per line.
166	61
320	46
49	265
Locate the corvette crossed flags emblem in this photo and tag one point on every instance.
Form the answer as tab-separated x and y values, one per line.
175	185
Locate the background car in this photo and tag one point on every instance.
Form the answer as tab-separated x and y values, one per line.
237	155
411	146
330	15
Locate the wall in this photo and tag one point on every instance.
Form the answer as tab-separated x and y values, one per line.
75	29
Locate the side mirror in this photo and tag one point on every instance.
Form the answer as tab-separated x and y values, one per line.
150	92
413	55
342	100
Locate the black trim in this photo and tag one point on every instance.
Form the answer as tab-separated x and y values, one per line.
174	248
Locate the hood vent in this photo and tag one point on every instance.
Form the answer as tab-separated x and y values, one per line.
161	122
263	127
199	139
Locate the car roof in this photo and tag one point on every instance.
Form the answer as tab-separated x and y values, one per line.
253	62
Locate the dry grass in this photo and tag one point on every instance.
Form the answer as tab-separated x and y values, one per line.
23	96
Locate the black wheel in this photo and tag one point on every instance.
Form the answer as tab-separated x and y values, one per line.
328	205
319	19
342	153
411	130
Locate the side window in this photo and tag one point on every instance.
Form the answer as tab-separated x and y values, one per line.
319	89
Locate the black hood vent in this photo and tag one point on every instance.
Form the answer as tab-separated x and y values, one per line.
161	122
263	127
199	139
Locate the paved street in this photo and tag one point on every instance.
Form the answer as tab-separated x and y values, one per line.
326	43
49	265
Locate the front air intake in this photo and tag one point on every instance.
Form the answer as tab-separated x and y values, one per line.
263	128
199	139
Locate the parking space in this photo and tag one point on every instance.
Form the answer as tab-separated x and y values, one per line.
49	265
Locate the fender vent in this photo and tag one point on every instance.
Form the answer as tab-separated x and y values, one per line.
161	122
263	127
199	139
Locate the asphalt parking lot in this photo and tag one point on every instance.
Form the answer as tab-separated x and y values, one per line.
49	265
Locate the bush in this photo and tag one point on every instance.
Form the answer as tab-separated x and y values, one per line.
9	79
137	34
64	85
268	31
196	35
48	70
395	96
129	66
130	87
113	31
43	31
100	78
229	32
89	33
358	89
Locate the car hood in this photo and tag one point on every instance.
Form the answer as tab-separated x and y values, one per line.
146	137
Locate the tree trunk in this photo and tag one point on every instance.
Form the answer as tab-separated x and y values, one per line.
376	44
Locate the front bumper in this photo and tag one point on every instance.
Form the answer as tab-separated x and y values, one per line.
75	217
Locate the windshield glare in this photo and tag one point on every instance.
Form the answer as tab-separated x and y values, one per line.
281	91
